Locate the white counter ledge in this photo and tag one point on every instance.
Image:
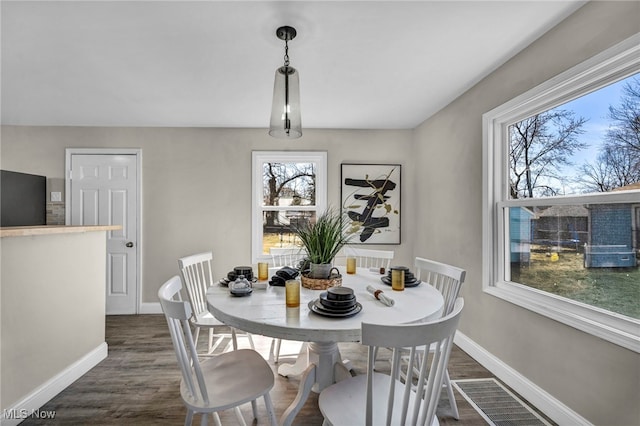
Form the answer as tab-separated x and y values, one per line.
25	231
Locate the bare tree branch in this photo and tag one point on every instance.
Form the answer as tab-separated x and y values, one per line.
618	161
539	146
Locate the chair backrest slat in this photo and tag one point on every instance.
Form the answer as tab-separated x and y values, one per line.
418	408
445	278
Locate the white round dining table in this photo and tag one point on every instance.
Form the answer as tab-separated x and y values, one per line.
264	312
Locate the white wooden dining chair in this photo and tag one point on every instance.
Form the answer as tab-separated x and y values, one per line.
377	398
448	280
368	258
197	275
286	256
221	382
283	256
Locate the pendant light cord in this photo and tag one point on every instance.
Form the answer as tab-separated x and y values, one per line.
286	53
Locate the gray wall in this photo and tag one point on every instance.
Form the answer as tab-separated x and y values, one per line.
599	380
197	182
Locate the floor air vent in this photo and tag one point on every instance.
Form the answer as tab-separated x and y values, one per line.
497	405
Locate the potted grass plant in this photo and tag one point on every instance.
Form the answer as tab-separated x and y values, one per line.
322	240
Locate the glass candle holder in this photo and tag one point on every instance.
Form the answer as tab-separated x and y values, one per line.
263	271
397	279
292	293
351	265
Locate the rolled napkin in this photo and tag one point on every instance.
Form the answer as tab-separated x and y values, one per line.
379	294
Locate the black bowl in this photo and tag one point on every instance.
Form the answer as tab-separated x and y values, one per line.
244	270
336	304
402	268
340	293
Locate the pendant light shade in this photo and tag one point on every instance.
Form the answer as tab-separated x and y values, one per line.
285	111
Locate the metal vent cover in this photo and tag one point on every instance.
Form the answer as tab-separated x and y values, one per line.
496	404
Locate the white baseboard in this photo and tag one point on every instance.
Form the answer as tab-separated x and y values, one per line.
45	392
543	401
150	308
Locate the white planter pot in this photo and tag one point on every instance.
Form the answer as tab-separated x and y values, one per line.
320	270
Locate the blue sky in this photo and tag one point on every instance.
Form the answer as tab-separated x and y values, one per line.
595	108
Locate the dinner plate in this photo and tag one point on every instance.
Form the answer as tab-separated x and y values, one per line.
407	275
337	310
387	281
313	308
335	303
225	281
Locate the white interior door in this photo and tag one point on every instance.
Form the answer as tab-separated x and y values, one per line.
103	191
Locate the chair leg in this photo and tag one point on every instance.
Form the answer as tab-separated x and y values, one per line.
189	418
276	352
239	416
451	396
254	408
234	339
270	410
195	336
216	419
211	347
204	421
251	341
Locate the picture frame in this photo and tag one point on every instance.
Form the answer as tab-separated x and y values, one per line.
371	201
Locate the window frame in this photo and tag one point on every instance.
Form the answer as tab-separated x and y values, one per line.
260	157
615	63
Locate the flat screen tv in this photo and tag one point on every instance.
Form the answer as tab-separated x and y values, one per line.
23	199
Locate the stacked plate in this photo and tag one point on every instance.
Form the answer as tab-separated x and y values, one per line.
338	302
247	271
409	279
225	281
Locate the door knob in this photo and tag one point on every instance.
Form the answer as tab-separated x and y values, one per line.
129	244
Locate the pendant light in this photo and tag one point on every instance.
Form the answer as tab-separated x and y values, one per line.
285	110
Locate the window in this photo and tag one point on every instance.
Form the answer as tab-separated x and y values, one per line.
288	188
562	206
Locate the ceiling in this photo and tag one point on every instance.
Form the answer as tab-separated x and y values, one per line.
362	65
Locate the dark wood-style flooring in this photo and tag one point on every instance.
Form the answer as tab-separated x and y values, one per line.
138	383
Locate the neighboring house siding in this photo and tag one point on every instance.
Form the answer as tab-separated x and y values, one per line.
520	234
562	225
611	237
611	225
